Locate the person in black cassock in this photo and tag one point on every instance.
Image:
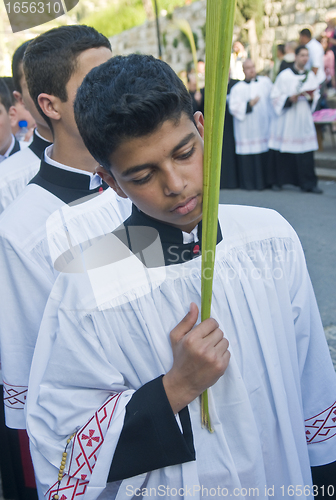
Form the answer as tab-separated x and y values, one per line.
229	174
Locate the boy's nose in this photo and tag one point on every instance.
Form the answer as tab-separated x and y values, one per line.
173	183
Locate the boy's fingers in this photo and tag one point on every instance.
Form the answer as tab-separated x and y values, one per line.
222	346
207	327
186	324
218	336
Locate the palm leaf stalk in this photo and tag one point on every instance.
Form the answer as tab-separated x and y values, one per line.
219	31
184	26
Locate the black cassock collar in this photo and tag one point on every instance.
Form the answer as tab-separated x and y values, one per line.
65	185
15	148
140	231
252	80
296	72
38	145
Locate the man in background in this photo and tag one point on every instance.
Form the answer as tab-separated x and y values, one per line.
249	105
316	54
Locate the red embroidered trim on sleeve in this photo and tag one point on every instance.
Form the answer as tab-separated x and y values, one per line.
70	488
322	426
14	396
84	453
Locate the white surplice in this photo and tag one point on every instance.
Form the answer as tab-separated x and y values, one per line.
292	129
105	333
15	173
32	238
251	130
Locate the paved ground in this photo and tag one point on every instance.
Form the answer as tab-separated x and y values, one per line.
314	219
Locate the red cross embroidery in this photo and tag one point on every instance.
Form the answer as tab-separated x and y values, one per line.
90	438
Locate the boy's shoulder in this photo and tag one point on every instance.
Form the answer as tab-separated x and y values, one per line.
23	221
18	162
243	224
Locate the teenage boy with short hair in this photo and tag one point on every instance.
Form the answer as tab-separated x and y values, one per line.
119	363
18	112
8	144
21	167
292	135
55	64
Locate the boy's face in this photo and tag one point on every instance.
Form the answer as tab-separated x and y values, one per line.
5	130
302	58
85	62
249	69
162	173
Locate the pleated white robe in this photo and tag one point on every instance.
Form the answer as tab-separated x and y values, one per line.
35	230
105	333
292	129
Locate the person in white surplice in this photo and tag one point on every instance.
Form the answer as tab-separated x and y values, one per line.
122	356
30	237
292	135
250	107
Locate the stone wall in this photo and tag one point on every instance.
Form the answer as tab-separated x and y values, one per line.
282	21
143	39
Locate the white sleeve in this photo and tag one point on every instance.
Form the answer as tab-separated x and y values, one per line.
316	55
72	384
318	378
238	102
278	94
24	288
122	428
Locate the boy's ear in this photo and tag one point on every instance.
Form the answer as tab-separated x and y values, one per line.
49	105
110	181
13	118
199	120
18	96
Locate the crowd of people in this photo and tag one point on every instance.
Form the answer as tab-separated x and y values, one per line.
103	353
269	135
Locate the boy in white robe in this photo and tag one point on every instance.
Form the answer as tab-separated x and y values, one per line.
249	105
19	112
113	408
8	144
292	133
21	167
55	64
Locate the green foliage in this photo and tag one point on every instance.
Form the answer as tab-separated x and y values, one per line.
185	40
118	17
250	9
175	43
170	5
203	30
164	39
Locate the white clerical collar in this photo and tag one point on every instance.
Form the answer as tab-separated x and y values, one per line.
4	156
190	237
299	71
95	180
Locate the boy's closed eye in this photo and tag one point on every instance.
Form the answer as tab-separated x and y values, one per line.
180	156
144	179
188	154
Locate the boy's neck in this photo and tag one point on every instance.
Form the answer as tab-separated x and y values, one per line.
190	227
7	145
44	132
72	152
